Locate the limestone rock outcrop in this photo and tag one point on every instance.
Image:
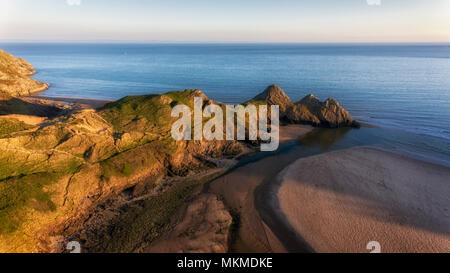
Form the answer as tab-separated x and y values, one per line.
274	95
310	110
14	76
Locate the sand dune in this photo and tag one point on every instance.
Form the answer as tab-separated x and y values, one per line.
340	201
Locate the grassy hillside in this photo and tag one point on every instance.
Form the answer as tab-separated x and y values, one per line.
51	174
10	126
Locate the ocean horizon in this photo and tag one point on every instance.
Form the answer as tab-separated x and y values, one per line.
99	129
402	88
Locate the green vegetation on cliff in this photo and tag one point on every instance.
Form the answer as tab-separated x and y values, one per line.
9	126
144	222
18	192
74	162
150	111
64	168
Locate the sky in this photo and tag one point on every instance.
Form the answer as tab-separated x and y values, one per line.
226	20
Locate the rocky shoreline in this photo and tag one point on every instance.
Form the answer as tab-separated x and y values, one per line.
15	77
63	158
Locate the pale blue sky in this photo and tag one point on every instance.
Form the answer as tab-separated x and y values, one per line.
226	20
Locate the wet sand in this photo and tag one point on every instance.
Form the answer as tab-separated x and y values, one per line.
340	201
237	189
272	219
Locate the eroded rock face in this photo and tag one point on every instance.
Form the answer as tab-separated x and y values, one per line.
14	76
310	110
4	96
204	229
274	95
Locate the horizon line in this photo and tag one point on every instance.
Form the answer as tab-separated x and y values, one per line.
215	42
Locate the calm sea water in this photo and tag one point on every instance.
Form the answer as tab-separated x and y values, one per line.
404	89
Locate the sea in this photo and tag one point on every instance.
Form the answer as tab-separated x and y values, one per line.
403	90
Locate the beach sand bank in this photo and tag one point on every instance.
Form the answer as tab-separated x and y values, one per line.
237	189
66	102
340	201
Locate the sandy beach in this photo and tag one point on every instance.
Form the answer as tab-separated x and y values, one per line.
237	189
80	103
334	202
340	201
228	127
275	202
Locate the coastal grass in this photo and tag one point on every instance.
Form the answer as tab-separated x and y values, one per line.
124	114
24	185
151	155
146	112
145	221
18	192
10	126
185	97
29	191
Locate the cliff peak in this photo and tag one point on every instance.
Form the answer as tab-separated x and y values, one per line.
310	99
330	113
274	95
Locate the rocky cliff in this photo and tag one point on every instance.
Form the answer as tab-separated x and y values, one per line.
274	95
309	110
14	76
54	174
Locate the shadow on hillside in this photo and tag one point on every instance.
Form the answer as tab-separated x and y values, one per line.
16	106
